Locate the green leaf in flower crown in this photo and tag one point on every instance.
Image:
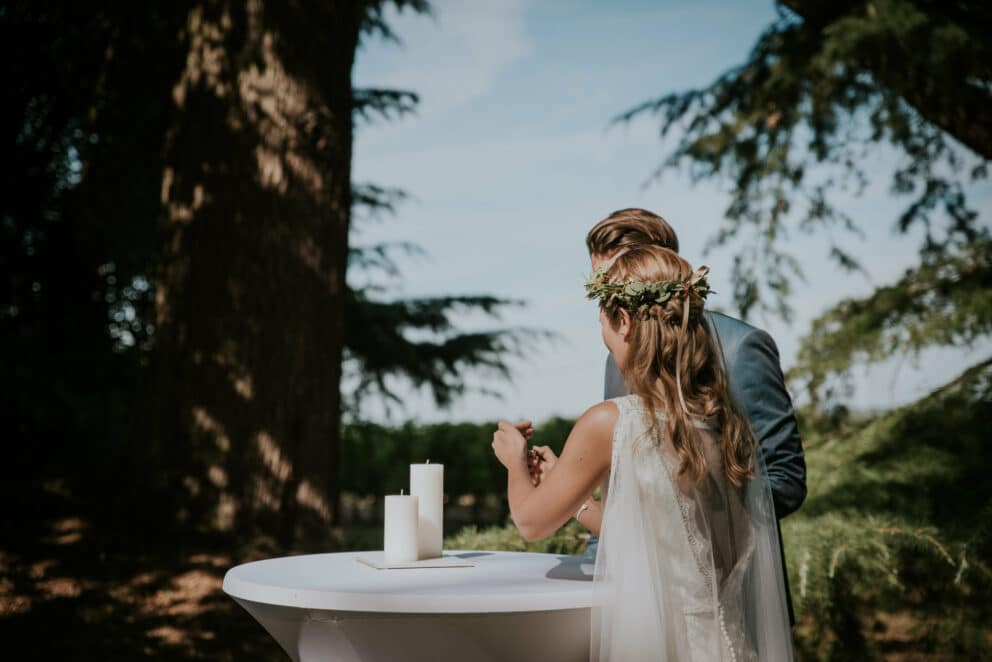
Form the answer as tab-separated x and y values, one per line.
633	289
638	296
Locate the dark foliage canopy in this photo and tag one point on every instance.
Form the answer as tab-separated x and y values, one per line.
826	84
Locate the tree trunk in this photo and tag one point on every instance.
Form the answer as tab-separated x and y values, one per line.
244	398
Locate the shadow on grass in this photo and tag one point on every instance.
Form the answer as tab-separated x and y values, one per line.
73	586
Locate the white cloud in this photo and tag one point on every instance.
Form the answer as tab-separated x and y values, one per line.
451	60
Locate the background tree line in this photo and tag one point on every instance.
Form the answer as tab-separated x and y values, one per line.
377	457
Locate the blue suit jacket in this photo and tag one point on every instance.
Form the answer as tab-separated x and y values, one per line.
757	388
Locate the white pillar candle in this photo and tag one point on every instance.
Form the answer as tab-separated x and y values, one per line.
427	483
400	536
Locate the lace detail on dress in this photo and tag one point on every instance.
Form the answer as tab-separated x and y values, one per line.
703	563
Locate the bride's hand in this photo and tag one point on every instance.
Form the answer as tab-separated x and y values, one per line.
509	444
546	460
526	428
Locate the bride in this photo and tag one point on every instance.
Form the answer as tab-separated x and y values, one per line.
688	567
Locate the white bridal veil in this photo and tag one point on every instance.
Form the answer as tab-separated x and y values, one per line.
685	573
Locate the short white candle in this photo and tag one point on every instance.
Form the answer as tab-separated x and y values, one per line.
427	483
400	536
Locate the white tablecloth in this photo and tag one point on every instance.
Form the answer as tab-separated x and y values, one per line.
511	605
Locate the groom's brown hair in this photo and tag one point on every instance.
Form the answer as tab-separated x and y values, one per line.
626	228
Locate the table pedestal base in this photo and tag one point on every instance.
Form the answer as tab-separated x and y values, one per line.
309	635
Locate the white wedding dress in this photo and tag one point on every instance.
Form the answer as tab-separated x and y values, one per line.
685	573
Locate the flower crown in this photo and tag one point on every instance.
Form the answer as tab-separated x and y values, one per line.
638	296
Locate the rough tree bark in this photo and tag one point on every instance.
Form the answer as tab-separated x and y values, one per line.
244	398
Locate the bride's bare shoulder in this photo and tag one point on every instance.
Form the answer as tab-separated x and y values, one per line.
600	419
592	433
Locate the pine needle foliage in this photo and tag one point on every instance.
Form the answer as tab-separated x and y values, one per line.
416	340
944	301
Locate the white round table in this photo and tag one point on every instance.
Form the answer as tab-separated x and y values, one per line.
509	606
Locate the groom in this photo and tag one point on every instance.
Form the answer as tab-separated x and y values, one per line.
757	385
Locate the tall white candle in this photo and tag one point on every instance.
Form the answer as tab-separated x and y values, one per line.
400	536
427	483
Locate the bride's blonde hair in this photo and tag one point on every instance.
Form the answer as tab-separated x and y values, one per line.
662	334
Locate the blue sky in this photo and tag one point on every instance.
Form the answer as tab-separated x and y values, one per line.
511	158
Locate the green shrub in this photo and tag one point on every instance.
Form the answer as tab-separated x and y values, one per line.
893	541
570	539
